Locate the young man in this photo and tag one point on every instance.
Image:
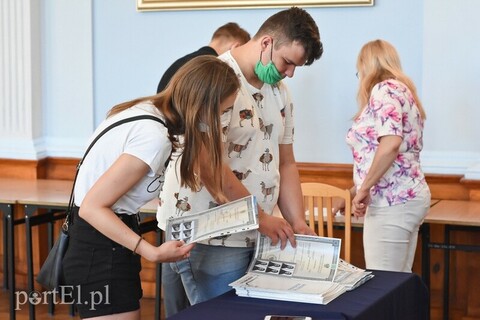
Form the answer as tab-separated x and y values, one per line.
226	37
259	161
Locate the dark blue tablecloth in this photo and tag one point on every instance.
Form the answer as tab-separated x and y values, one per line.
388	295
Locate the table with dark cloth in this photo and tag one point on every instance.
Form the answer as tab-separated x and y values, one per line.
388	295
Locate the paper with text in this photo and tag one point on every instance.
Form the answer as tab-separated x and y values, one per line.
235	216
314	258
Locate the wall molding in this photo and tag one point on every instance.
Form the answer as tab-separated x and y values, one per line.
443	186
20	85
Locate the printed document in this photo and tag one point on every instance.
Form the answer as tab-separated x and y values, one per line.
235	216
312	272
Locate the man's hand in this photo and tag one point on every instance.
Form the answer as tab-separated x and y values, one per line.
277	229
303	228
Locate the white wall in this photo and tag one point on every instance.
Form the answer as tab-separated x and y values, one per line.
324	93
125	52
451	82
67	76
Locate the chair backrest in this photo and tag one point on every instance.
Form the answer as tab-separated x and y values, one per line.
319	196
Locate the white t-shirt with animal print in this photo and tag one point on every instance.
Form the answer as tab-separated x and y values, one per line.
259	122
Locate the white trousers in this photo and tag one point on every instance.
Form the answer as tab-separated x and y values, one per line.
390	234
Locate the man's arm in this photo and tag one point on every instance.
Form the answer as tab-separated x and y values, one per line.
277	229
290	200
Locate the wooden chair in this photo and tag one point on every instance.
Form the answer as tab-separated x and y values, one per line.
319	196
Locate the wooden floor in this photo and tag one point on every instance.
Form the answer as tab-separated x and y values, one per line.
62	311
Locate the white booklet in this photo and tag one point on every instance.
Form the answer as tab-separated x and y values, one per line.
303	274
314	258
312	272
232	217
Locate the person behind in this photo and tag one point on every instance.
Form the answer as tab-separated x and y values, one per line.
124	170
259	161
226	37
386	139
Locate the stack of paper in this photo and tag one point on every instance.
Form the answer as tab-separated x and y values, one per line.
312	272
290	289
350	276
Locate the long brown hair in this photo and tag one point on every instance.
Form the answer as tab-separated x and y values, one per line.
378	61
192	97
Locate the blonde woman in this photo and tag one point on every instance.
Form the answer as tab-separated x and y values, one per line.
386	141
124	170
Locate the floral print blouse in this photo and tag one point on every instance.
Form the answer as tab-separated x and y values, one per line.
391	110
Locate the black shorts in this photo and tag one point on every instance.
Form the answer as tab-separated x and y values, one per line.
102	276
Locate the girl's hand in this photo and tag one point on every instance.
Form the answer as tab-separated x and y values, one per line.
169	251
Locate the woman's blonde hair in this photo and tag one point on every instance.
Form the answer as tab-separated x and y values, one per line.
192	98
378	61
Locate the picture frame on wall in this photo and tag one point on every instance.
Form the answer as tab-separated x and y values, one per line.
168	5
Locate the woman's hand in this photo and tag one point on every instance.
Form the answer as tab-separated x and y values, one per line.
169	251
360	203
338	205
385	155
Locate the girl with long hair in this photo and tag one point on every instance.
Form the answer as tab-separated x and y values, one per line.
124	170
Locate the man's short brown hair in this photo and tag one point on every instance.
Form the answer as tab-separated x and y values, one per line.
232	30
294	24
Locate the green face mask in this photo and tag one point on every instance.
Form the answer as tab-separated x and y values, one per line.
269	73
